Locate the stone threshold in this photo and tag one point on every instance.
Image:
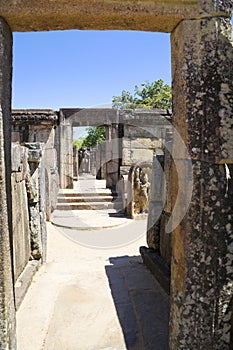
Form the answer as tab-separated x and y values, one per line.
24	281
157	266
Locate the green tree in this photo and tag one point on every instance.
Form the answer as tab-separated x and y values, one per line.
78	143
94	135
149	95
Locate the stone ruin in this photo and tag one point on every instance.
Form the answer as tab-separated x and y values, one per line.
193	262
139	186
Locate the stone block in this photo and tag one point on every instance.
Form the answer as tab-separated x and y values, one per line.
16	157
39	133
50	158
20	222
141	142
35	229
19	162
217	8
143	131
132	156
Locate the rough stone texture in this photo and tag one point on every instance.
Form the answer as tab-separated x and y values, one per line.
7	312
112	156
133	201
65	152
37	198
39	126
206	73
143	133
34	116
155	16
156	203
72	14
75	162
202	255
20	210
42	203
202	265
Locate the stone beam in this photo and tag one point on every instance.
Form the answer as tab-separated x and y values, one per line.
155	16
7	311
90	116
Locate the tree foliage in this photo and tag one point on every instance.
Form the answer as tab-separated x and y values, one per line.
94	135
149	95
78	143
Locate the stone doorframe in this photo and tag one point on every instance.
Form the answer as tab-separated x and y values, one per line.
69	118
202	55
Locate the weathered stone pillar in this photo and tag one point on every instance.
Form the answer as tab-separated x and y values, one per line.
112	156
66	153
202	244
7	310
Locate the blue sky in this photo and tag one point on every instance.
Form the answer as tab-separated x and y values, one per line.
85	68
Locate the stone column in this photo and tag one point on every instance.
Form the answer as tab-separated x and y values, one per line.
66	154
202	243
7	309
112	156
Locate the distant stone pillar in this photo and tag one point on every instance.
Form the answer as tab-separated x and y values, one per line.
202	244
66	153
75	162
112	156
7	309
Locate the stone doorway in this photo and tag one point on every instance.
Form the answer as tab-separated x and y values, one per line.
201	39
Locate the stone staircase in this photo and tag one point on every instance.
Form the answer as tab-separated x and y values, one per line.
100	199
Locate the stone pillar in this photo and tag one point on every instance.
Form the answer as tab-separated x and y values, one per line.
75	162
66	154
112	156
156	203
202	244
7	309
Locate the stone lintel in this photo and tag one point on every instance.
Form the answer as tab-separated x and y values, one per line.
145	117
34	117
155	16
89	116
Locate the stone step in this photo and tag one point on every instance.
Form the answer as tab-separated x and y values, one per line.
77	199
86	194
89	206
72	193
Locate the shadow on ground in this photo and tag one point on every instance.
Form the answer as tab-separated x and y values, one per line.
141	304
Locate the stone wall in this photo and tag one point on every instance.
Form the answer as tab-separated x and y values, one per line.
20	208
35	184
7	309
142	135
39	126
143	132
